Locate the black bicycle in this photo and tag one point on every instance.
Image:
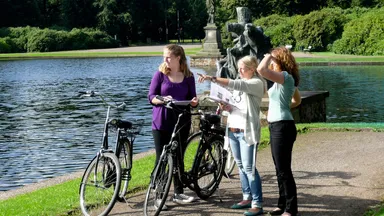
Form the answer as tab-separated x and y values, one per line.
107	176
201	174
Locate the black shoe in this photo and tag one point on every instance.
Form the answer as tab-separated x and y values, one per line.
276	211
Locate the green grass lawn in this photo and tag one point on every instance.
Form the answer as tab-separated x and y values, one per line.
332	57
85	54
63	199
316	56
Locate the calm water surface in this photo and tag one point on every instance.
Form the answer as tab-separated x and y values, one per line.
46	130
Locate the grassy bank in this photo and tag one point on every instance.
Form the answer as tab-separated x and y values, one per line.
63	199
314	57
86	54
332	57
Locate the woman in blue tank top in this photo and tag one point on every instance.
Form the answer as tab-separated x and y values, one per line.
280	67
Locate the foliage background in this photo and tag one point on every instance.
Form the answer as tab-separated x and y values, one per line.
54	25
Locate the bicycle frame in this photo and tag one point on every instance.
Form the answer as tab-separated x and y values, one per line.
116	163
187	178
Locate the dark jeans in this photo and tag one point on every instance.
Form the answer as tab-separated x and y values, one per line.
282	136
162	138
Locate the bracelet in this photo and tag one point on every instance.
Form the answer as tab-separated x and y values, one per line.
214	79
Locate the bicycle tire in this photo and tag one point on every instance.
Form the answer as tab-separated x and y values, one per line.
125	157
190	154
210	167
100	190
159	186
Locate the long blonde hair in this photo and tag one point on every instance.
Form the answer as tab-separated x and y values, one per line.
286	62
252	63
177	51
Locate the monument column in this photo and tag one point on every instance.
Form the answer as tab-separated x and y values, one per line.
212	47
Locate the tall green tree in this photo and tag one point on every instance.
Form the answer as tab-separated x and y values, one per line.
195	20
78	13
14	13
113	17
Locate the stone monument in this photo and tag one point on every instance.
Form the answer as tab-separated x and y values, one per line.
212	46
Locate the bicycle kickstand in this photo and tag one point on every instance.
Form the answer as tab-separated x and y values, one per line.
218	191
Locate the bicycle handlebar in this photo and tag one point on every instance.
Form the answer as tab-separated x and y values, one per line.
93	94
177	105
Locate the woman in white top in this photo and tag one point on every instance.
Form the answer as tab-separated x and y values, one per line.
244	130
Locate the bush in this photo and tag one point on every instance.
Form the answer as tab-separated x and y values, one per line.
278	28
99	39
363	36
32	39
18	37
4	46
78	40
355	12
47	40
319	28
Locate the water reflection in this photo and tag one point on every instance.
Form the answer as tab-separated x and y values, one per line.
356	93
46	130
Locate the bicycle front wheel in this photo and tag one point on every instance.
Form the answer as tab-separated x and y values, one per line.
125	158
159	186
100	185
210	167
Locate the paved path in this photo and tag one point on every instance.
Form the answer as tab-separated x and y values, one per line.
337	174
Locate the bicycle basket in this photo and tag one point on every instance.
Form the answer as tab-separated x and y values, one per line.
210	121
136	126
131	127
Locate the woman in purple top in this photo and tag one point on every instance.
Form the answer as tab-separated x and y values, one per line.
174	80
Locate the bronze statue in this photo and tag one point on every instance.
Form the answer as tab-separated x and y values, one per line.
250	40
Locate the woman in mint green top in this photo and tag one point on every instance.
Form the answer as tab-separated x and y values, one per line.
280	67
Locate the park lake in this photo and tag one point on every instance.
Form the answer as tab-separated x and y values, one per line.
47	130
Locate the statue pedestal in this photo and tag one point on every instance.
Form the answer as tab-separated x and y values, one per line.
212	48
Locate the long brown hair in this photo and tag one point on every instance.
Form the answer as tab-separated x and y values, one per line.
286	62
177	51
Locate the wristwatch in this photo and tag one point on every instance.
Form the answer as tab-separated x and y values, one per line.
213	79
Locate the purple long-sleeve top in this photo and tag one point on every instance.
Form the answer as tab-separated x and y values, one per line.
163	118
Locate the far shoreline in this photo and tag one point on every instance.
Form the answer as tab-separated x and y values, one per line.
303	58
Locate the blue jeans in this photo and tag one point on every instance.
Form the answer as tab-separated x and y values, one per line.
244	157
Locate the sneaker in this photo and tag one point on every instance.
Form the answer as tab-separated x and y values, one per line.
182	198
157	203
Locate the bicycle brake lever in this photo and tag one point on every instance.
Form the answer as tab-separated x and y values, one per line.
121	106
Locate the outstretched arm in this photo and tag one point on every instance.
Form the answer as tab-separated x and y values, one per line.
218	80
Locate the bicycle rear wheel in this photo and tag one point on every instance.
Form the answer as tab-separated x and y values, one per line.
230	164
125	157
100	185
158	189
210	167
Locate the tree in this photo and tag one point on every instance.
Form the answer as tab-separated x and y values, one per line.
112	16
